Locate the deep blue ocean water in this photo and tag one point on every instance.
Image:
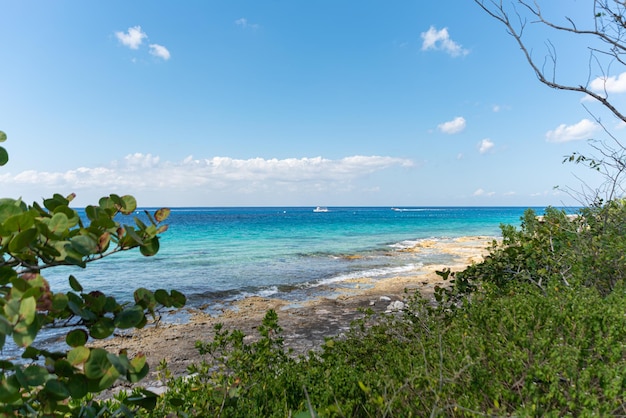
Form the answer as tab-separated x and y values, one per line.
217	255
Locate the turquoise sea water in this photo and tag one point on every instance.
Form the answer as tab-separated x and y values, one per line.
217	255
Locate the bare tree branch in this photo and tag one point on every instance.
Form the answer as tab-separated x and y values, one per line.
610	33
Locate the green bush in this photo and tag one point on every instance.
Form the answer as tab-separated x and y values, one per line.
34	238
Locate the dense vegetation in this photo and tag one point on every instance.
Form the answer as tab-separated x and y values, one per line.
537	329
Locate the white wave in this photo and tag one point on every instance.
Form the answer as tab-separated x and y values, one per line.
403	245
368	274
266	292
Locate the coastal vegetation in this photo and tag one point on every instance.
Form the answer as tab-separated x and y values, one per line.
34	238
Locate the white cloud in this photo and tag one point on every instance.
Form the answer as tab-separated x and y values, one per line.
564	133
482	192
243	22
614	84
440	40
133	38
159	51
148	172
485	145
454	126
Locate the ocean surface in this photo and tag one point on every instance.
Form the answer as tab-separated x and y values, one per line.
218	255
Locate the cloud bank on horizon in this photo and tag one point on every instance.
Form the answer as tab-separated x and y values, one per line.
138	172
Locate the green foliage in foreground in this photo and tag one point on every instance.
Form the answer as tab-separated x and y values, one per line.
34	238
526	354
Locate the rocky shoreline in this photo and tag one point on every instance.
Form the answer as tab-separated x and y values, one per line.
305	326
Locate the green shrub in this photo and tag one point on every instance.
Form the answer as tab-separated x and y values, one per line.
34	238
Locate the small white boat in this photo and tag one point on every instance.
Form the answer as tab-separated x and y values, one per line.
320	209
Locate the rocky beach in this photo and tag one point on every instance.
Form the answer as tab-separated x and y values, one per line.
305	325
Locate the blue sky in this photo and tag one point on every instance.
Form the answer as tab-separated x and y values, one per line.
251	103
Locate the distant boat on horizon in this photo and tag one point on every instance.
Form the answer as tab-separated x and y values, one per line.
320	209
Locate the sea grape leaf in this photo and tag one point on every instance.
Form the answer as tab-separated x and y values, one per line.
56	389
178	299
102	329
129	204
97	364
76	337
35	375
78	355
150	247
77	385
75	285
84	244
161	214
22	240
4	156
129	318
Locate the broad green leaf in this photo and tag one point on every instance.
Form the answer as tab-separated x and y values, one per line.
178	299
24	334
35	375
129	318
63	368
77	385
102	329
5	327
4	156
131	237
109	377
145	298
75	285
28	309
107	203
59	223
9	389
8	209
97	364
22	240
56	389
150	247
161	214
19	222
78	355
59	301
76	337
129	204
84	244
6	275
138	368
54	202
163	297
103	242
120	363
